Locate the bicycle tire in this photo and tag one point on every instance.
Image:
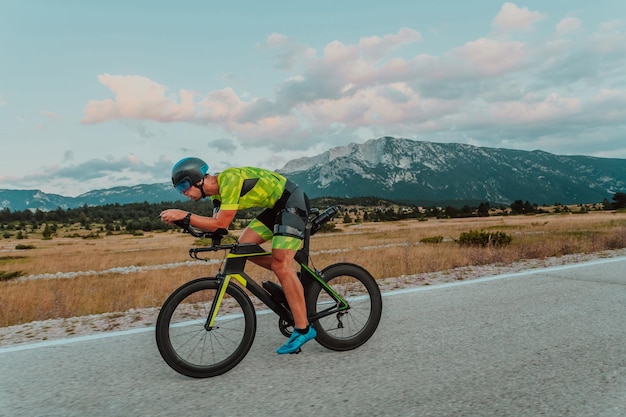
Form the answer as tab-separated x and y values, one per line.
351	328
185	344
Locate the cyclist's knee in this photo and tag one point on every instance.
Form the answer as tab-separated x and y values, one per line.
282	261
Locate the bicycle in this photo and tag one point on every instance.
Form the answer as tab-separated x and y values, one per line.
207	326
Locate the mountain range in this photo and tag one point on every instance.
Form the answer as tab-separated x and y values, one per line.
419	172
19	200
399	169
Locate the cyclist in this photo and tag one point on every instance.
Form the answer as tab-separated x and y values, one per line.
283	221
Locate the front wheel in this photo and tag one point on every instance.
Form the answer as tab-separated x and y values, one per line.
350	328
184	342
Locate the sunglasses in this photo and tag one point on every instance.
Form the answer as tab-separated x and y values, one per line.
183	185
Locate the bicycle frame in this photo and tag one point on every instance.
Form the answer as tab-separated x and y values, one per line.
233	269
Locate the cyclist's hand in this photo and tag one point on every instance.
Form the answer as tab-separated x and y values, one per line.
171	216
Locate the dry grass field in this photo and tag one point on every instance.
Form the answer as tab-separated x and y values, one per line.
71	277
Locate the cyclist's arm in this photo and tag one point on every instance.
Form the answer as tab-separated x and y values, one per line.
220	220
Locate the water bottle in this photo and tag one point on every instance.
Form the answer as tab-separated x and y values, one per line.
323	218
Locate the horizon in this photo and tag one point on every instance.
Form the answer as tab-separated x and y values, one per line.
168	187
167	181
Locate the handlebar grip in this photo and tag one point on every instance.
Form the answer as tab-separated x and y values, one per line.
217	233
181	224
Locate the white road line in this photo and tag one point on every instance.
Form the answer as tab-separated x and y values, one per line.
504	276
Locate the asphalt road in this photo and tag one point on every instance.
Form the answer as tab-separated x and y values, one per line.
548	342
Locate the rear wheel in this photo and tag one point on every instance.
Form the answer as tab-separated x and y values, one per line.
184	342
350	328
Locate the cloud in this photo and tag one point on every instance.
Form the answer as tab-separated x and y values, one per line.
609	43
536	109
511	17
375	47
370	85
288	53
139	98
488	57
568	25
96	168
142	130
611	25
72	179
51	115
225	145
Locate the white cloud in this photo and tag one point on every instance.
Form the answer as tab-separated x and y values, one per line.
51	115
568	25
138	97
375	47
371	86
490	57
94	173
512	17
288	53
611	25
536	109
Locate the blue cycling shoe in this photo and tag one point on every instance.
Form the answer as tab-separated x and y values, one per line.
296	341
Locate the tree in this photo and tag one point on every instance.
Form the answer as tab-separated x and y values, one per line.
5	215
518	207
83	219
483	210
47	232
39	215
451	211
620	200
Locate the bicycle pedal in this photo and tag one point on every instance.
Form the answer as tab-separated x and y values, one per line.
296	352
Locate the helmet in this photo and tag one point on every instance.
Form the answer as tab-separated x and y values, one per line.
188	172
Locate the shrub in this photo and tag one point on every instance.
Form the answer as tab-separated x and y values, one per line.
5	276
482	238
47	232
24	247
92	235
327	228
432	239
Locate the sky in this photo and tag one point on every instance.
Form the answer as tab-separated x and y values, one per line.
98	94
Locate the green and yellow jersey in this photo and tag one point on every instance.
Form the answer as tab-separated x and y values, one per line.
247	187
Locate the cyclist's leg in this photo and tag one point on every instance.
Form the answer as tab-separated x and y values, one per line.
289	231
258	232
282	265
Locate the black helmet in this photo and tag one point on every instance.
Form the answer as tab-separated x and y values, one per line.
188	172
